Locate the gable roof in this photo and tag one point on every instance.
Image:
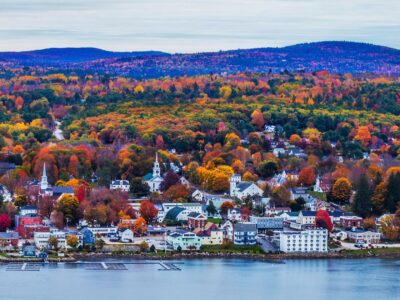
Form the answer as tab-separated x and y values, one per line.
62	190
196	215
308	213
148	176
242	186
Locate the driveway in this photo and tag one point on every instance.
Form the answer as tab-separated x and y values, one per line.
266	245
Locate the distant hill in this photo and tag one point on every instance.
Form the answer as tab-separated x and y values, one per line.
336	57
54	56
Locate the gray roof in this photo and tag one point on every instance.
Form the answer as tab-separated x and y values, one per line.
308	213
28	207
194	215
243	185
62	190
9	235
245	227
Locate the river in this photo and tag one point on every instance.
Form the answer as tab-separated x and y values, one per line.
211	279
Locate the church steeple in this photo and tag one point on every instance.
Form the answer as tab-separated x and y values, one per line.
43	182
156	167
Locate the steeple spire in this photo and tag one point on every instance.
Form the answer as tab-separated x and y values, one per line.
156	167
43	182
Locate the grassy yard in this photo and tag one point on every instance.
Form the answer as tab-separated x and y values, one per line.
214	220
231	248
374	251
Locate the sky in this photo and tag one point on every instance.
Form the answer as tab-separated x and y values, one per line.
194	25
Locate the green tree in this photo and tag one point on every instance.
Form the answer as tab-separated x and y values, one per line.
267	168
139	188
211	209
69	205
20	201
362	204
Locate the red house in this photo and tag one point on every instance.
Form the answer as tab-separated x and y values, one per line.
22	221
351	221
196	220
29	230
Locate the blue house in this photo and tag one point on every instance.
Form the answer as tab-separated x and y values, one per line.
29	250
88	237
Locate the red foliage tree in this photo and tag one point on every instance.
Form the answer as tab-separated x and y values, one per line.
148	211
170	179
5	222
307	176
323	220
227	205
245	213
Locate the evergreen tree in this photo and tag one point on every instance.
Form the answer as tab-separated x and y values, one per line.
362	204
392	196
211	209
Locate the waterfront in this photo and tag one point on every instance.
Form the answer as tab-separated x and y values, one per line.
211	279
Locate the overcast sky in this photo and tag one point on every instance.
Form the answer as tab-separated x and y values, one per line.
194	25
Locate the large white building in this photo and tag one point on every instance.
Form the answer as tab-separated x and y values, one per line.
184	210
309	240
242	189
154	179
41	239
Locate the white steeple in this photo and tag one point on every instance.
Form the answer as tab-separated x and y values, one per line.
156	168
43	182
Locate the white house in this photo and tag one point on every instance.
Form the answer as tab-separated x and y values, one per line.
216	237
198	195
310	240
184	241
154	179
122	185
234	214
227	228
126	235
242	189
279	152
306	217
278	179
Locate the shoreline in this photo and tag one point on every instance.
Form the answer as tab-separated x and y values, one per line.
389	253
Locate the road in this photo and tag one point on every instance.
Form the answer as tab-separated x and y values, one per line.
58	132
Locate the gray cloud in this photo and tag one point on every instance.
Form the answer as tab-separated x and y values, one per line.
194	25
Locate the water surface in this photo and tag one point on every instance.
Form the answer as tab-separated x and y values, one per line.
211	279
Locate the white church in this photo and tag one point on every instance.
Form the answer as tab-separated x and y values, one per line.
242	189
154	180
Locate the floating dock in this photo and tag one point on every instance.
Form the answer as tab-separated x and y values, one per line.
92	266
